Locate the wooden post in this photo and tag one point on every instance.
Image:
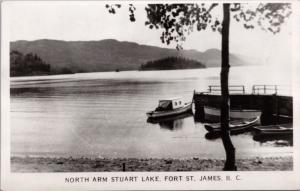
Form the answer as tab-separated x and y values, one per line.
277	108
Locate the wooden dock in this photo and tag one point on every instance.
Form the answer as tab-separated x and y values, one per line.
275	108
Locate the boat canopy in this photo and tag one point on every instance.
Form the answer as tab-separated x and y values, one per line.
171	99
171	103
164	103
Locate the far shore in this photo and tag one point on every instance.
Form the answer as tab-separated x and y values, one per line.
46	164
121	70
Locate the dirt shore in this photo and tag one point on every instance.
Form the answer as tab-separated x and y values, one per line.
41	164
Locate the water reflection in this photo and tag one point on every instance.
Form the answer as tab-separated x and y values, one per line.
212	136
199	116
216	135
171	123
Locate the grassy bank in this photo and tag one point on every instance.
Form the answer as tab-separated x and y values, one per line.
40	164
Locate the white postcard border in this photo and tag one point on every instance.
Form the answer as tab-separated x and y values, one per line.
276	180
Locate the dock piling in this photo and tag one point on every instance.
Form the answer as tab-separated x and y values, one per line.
123	165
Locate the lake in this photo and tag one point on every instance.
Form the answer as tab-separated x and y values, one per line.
104	114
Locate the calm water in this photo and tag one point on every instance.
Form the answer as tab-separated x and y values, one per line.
104	115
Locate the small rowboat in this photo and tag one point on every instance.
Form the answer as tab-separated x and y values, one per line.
274	130
170	107
213	114
238	126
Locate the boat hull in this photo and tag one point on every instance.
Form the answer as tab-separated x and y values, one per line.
213	114
274	130
169	118
234	127
161	114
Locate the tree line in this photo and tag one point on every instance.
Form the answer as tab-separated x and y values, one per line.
32	65
172	63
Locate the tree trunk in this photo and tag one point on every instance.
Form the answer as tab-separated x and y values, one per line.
225	104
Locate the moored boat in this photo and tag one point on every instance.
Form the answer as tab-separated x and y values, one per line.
173	122
170	107
274	130
170	118
237	126
213	114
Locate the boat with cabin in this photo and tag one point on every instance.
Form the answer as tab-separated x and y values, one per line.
170	107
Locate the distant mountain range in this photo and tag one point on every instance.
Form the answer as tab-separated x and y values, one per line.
110	54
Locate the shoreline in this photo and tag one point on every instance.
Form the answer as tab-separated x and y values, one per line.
83	164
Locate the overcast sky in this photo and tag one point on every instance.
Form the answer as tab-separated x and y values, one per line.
74	21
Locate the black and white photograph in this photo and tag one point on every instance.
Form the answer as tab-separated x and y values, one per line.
144	87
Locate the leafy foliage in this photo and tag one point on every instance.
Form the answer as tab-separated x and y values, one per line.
131	9
179	20
268	16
